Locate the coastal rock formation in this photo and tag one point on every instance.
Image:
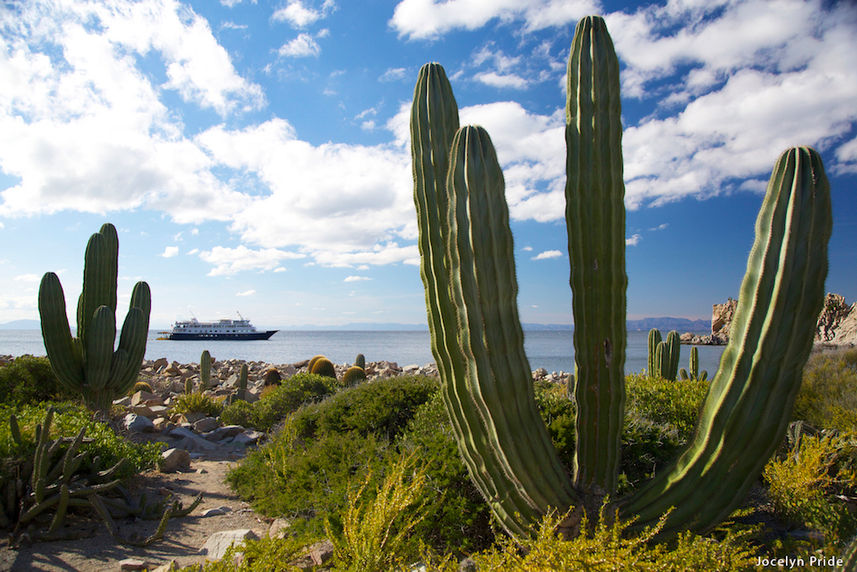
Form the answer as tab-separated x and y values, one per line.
837	323
721	318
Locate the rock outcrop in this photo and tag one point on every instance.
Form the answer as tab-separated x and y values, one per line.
837	323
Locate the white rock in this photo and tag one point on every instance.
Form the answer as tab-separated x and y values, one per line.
174	460
219	542
138	423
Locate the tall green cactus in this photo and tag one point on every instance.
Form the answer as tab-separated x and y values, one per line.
88	363
469	277
666	355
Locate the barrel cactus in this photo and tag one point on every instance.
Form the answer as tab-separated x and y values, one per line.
88	364
467	267
353	375
360	361
324	367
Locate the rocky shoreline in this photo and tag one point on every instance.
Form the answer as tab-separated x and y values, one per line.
836	327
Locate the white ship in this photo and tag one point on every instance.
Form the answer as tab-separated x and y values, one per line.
226	329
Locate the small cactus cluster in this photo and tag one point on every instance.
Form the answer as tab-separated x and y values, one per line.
664	355
694	373
53	480
87	364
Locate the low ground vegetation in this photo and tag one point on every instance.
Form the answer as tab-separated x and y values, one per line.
375	469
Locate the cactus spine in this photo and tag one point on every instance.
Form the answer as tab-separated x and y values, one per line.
204	370
88	363
468	273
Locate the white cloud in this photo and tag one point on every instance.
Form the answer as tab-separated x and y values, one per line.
31	278
547	254
302	46
495	79
229	261
245	293
527	249
300	16
422	19
394	74
192	251
98	119
340	204
170	252
633	240
357	278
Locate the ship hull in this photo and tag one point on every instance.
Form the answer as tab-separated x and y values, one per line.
223	336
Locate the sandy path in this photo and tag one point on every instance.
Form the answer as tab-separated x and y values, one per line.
183	538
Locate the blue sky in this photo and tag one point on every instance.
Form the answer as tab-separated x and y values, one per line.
254	155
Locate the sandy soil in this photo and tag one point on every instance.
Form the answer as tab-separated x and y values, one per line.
181	542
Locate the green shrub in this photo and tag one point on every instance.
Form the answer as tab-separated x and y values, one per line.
279	401
307	481
30	380
803	484
659	418
611	547
238	413
263	555
456	517
186	403
377	528
828	394
105	448
384	407
673	403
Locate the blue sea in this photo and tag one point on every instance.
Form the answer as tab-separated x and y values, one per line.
552	350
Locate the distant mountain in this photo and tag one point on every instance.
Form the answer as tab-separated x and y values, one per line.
665	324
21	325
359	327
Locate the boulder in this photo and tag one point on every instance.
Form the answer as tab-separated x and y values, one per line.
206	424
137	423
219	542
133	564
175	460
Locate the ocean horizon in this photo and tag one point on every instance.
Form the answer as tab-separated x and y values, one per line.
552	350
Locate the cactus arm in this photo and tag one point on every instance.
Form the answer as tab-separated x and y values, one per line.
65	356
750	400
132	341
100	273
595	215
673	355
434	121
99	348
654	340
497	378
694	362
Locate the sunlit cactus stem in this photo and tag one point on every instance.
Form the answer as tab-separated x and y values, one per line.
750	399
87	364
694	363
